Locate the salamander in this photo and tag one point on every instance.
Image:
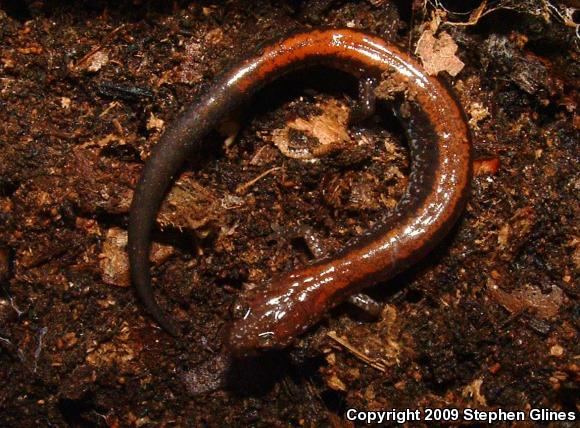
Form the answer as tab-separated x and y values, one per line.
273	315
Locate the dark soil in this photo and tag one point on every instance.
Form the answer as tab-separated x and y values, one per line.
490	320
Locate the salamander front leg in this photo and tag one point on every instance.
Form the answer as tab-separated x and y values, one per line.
317	248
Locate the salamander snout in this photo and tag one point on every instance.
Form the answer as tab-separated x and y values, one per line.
269	319
256	328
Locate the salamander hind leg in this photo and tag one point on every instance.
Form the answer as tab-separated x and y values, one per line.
365	104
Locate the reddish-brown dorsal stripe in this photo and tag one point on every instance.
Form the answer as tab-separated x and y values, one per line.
441	172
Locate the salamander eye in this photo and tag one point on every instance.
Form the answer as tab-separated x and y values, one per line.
240	310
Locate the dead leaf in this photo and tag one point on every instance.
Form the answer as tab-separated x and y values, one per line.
329	128
438	54
114	261
528	297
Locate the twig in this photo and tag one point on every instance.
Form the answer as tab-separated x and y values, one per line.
99	46
376	363
243	188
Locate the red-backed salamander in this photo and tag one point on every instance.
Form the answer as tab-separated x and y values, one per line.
439	140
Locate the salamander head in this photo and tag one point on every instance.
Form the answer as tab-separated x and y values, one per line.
272	318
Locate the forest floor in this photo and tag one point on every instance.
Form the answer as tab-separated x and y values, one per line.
489	320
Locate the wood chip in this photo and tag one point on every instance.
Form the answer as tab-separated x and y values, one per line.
473	390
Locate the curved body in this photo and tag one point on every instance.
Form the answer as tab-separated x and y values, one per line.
440	176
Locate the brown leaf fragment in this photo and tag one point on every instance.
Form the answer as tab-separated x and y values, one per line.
189	205
485	166
114	261
514	234
438	53
528	297
477	113
97	61
155	123
120	350
335	383
556	351
473	391
329	128
389	87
